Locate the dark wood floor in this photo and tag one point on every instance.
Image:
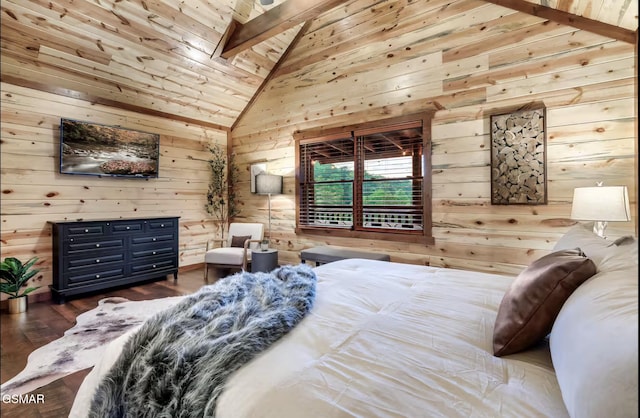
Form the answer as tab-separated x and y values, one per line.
45	321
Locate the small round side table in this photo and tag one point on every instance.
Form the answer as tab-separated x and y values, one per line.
264	261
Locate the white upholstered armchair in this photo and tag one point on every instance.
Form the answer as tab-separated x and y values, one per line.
235	250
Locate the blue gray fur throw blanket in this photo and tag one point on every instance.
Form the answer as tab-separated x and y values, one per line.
177	364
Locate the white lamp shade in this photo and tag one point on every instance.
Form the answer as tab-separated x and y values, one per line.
602	203
268	184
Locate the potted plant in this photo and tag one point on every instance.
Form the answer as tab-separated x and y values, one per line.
14	276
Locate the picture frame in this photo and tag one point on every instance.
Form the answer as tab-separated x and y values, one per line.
519	157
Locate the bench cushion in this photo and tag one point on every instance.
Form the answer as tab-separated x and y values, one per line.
326	254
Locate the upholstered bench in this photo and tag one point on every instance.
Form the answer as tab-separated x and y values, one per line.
326	254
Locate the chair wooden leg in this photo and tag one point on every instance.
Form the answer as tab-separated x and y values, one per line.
206	272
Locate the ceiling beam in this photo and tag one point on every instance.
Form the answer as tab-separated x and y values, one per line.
231	27
272	73
282	17
565	18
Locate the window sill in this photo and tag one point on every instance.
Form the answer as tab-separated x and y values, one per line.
413	238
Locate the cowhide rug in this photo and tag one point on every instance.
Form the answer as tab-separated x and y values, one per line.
81	346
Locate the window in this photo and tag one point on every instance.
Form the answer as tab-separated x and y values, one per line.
366	181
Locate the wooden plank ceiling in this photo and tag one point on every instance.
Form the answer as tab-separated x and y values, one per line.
165	57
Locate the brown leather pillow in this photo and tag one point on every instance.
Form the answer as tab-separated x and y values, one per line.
239	241
534	299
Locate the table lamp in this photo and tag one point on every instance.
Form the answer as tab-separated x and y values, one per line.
601	204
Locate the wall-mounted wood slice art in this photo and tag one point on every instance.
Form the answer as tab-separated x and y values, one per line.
518	158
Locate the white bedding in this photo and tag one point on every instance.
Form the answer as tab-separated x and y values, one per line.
388	340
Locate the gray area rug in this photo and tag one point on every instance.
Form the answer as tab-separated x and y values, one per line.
81	346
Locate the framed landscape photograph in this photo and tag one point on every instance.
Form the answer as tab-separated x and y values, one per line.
518	158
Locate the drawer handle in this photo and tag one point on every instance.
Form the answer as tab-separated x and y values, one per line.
86	230
97	245
97	276
154	253
128	228
98	260
153	239
161	225
154	266
71	240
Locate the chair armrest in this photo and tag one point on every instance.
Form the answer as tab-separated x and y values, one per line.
249	241
246	247
214	240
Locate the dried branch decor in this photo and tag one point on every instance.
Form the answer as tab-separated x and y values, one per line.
518	158
222	201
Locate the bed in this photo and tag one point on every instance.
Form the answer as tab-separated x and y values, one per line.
394	340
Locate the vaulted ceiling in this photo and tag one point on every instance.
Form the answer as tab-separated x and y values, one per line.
204	61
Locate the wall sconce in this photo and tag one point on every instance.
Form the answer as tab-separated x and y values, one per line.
601	204
268	184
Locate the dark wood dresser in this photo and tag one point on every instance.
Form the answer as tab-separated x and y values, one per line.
101	254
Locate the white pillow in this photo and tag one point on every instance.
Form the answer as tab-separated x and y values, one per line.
594	347
621	257
594	247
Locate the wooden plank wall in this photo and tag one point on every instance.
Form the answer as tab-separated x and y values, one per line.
155	55
34	192
468	60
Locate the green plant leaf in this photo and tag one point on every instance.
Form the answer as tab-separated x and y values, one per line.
15	275
29	290
8	288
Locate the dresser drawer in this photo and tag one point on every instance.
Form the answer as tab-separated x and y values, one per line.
151	239
130	226
95	276
160	224
79	246
146	267
93	230
153	252
82	262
